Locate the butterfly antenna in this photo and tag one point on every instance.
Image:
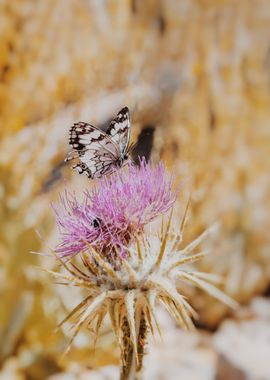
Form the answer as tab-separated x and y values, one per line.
132	147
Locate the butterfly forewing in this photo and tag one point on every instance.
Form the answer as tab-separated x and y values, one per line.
98	152
119	129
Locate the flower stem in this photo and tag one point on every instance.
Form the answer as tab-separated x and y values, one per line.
131	370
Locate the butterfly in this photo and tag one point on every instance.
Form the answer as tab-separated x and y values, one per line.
99	152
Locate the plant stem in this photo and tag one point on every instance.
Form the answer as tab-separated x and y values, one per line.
141	343
131	370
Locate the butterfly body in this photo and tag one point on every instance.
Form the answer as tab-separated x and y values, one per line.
120	161
99	153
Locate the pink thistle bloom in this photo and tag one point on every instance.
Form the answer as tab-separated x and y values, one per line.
115	211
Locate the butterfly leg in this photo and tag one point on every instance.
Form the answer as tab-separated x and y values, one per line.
127	162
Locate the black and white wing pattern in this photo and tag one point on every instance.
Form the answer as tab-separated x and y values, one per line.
97	152
94	149
119	129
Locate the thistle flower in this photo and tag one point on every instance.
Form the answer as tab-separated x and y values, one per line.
115	211
129	293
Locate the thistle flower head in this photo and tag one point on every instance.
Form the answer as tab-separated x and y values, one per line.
129	293
115	211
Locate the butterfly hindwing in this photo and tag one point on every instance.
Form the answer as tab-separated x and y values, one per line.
119	129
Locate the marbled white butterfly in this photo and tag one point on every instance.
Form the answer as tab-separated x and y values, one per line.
99	152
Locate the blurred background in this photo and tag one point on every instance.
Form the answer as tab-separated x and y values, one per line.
196	77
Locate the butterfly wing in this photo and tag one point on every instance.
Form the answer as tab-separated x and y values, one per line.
119	129
94	149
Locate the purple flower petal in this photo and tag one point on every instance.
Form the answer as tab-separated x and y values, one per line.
114	211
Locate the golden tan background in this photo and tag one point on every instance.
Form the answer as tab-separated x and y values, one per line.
199	73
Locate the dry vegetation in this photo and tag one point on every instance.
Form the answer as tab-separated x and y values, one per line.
198	71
